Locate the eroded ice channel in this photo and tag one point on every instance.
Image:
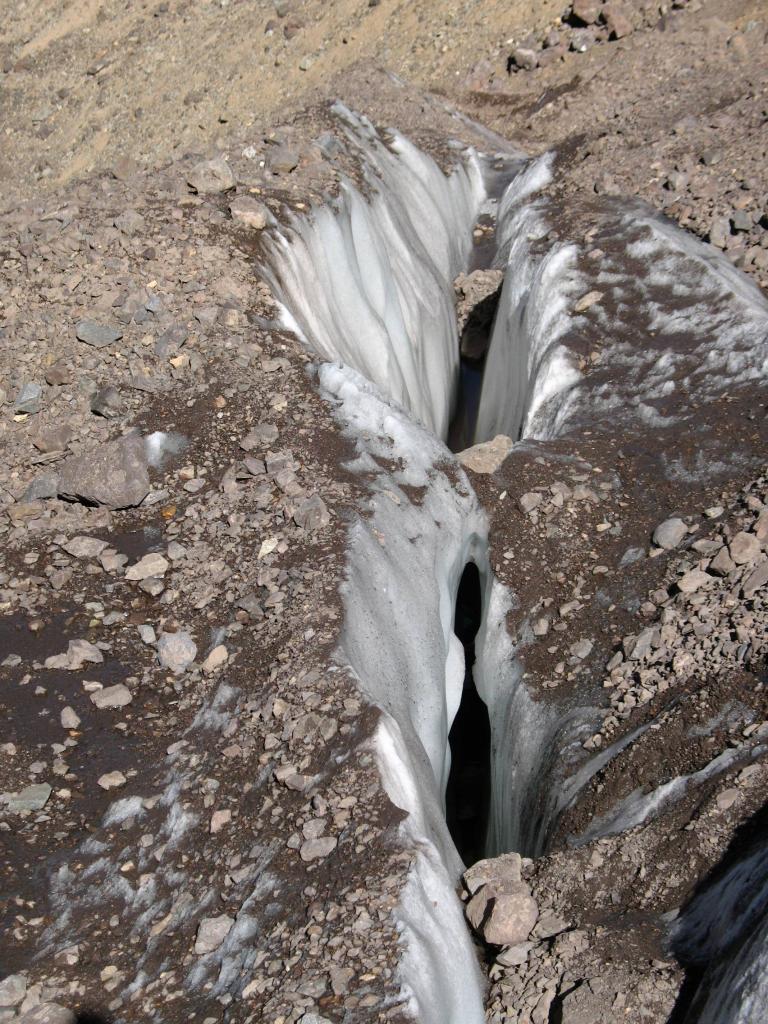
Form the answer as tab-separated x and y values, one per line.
366	281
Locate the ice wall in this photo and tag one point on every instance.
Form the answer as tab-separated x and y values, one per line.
725	931
368	279
672	323
406	556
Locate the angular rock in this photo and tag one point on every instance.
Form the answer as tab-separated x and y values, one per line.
316	849
218	657
97	335
29	400
84	547
488	456
152	564
31	798
69	718
503	870
114	474
312	514
590	299
503	919
78	653
48	1013
694	580
112	780
211	932
12	990
744	548
756	580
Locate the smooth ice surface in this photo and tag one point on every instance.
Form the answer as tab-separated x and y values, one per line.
368	280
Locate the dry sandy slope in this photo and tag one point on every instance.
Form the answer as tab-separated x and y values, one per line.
85	81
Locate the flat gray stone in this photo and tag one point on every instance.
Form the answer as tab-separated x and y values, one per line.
97	335
29	400
31	798
117	696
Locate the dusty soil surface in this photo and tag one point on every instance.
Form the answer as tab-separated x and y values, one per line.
252	804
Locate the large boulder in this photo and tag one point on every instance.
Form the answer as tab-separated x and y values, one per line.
114	474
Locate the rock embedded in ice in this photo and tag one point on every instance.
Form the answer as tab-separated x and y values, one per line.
114	474
176	651
211	933
211	176
670	533
744	548
488	456
117	696
12	990
586	301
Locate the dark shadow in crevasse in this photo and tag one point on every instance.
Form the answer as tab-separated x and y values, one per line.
91	1017
468	794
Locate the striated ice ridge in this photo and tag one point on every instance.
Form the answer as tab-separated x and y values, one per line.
368	280
529	373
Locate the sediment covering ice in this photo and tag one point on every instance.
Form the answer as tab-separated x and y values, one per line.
368	280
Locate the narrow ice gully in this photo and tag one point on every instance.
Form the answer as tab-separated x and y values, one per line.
366	282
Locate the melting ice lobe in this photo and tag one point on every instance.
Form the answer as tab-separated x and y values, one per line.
368	281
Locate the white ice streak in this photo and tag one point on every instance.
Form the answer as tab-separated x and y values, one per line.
639	807
368	280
